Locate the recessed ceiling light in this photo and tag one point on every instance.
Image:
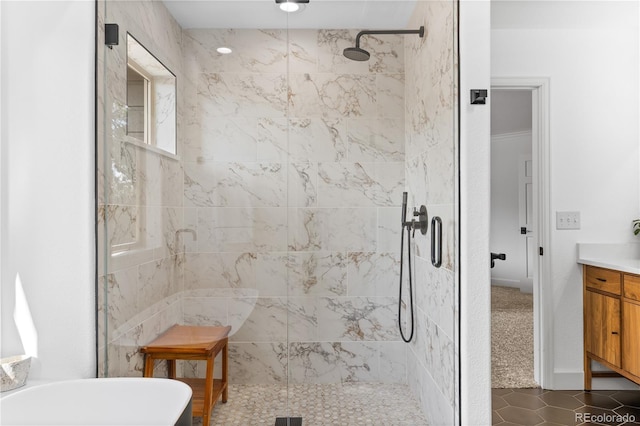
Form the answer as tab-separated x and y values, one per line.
291	5
224	50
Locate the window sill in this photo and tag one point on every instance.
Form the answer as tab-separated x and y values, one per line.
135	142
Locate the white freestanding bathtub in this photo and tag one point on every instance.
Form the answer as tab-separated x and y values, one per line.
109	401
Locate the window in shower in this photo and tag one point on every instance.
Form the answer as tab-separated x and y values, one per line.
151	99
140	109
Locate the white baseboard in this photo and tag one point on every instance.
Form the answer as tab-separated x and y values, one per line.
503	282
574	380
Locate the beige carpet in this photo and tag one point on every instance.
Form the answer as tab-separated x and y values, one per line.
511	338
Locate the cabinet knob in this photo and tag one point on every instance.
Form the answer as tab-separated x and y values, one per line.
614	332
601	280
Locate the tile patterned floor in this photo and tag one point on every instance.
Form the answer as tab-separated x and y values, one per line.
566	408
353	404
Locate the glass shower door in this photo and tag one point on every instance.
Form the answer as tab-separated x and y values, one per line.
279	213
142	234
360	133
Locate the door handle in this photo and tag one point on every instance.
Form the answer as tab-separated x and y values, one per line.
494	256
436	241
524	230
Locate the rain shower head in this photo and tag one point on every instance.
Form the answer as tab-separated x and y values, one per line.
356	54
359	54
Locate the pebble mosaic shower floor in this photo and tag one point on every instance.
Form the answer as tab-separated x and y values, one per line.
353	404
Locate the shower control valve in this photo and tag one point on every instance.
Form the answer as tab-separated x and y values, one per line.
423	220
421	223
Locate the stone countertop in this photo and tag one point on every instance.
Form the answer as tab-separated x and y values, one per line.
623	257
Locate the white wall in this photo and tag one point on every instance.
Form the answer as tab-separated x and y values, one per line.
47	197
475	302
591	58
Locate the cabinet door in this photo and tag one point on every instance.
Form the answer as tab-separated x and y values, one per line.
631	338
602	327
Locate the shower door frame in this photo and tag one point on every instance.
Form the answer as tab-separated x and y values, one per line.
456	269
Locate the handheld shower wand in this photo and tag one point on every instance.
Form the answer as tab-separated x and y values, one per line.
414	224
404	208
408	225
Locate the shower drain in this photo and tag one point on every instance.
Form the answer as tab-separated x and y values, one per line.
288	421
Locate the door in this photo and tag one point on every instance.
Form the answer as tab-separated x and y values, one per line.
512	232
278	213
526	253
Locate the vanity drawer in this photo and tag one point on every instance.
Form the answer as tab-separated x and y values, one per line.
603	279
632	287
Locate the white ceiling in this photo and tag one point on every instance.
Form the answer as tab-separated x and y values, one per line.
564	14
264	14
394	14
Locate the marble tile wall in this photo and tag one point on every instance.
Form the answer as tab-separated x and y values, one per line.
431	179
140	254
293	173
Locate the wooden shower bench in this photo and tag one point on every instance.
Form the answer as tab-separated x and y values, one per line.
193	343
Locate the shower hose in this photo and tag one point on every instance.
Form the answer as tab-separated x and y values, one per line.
407	340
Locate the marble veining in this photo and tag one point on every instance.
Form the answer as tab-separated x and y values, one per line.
320	138
346	95
430	176
317	273
272	142
389	89
258	362
359	184
267	321
219	270
303	51
376	140
235	184
250	94
330	43
292	185
241	229
302	318
373	274
357	318
142	275
231	139
332	229
303	185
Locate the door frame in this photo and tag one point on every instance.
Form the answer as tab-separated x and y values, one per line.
543	300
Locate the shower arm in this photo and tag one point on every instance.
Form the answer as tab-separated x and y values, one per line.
420	32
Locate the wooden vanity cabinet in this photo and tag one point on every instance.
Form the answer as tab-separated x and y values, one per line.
602	337
631	348
611	323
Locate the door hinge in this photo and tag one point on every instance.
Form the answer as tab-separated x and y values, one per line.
540	251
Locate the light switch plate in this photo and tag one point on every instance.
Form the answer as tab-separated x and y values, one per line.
567	220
